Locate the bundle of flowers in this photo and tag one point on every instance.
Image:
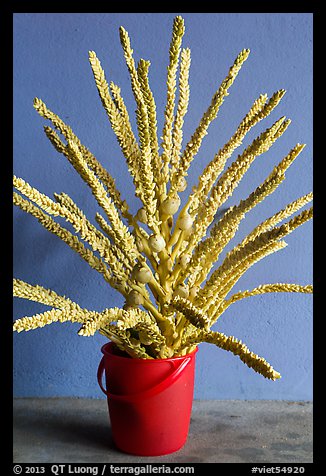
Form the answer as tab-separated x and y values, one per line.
161	259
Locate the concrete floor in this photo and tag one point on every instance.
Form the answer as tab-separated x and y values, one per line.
66	430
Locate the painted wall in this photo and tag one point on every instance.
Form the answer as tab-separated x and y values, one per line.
51	62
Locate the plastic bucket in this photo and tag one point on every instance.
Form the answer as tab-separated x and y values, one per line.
149	401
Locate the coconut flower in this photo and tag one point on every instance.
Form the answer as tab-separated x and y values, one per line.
160	259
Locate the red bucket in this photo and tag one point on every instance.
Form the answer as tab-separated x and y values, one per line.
149	401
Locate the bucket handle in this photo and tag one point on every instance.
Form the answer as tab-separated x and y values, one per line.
164	384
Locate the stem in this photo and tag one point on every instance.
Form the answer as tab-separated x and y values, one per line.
147	250
155	286
165	230
177	246
175	274
180	328
173	239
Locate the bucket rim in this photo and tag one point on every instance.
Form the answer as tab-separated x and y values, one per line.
105	349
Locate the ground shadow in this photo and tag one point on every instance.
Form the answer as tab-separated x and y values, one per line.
64	431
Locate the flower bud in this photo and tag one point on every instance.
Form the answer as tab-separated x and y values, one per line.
141	274
141	215
170	206
184	260
134	298
181	291
182	185
185	222
156	243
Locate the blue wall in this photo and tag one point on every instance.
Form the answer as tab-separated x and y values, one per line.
51	62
